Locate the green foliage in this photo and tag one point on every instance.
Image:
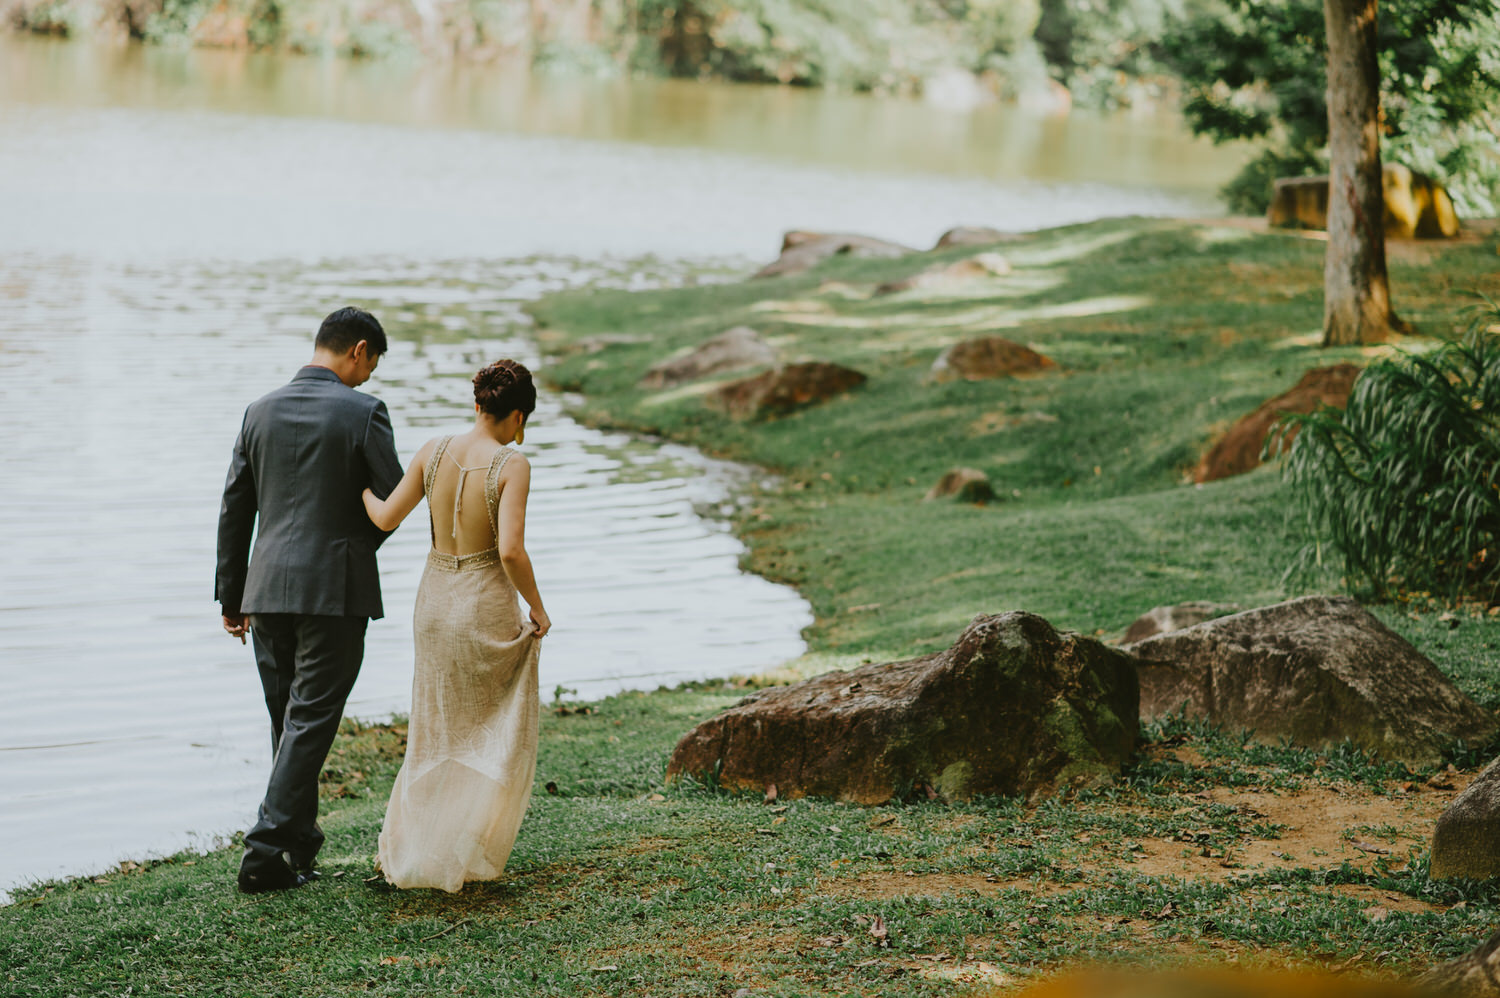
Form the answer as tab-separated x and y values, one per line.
1249	193
1404	484
1255	69
1100	48
174	21
880	45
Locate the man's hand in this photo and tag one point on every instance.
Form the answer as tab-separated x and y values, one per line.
236	624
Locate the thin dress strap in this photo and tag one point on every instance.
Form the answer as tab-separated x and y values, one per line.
458	493
492	488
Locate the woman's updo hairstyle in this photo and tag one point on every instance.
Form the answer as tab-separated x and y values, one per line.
505	386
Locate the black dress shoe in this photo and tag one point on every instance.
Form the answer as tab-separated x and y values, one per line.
270	879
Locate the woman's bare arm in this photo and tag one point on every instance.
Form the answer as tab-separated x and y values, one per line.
510	537
388	513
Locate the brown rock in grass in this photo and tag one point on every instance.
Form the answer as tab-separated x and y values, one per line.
1316	670
732	350
805	250
962	485
974	235
1238	451
988	357
1163	619
1014	707
1467	840
785	389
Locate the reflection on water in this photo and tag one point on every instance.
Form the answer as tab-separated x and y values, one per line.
130	718
847	131
137	152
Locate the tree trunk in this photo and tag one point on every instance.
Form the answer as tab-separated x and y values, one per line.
1356	292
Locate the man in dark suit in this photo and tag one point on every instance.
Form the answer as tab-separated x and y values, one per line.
304	455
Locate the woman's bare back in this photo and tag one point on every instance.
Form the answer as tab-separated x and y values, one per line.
462	522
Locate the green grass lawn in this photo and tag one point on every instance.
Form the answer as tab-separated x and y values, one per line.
1210	847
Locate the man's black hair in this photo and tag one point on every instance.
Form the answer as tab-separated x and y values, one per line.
346	327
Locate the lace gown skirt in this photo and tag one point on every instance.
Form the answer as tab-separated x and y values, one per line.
471	745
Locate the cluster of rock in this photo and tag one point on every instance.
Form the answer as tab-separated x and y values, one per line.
801	250
1416	206
781	387
1014	707
1017	708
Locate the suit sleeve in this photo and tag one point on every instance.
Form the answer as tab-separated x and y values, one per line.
380	459
236	524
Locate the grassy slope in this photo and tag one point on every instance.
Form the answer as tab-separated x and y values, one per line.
1165	333
620	885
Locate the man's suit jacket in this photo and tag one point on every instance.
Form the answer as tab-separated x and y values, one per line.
303	458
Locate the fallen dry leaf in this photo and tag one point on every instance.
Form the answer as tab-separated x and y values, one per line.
1367	847
770	797
880	933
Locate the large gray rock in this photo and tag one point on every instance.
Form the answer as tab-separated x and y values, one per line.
1014	707
804	250
732	350
1467	840
1316	670
1163	619
1476	974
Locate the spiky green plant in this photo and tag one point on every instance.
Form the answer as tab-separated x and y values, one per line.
1404	484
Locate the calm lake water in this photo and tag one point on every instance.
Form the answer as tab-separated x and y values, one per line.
176	223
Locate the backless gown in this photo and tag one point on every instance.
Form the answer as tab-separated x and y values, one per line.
471	746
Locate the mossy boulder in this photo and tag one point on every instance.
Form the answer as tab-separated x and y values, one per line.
1015	707
1467	840
1316	670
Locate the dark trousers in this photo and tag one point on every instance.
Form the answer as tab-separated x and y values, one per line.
307	665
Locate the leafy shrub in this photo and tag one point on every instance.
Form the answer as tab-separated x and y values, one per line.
1404	484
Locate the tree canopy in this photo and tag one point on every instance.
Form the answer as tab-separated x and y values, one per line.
1254	69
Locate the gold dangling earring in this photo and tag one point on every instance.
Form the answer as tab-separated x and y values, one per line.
521	434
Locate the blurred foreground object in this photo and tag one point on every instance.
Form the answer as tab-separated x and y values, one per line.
1219	983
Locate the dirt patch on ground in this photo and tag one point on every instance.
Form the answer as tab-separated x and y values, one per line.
1321	827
